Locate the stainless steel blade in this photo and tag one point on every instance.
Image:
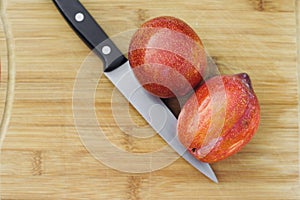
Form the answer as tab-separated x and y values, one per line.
155	112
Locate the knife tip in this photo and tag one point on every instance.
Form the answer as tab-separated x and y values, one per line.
214	179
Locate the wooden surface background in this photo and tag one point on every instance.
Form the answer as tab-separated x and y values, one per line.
43	157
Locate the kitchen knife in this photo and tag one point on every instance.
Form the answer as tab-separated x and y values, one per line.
117	69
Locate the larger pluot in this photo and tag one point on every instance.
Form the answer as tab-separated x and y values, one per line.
220	118
167	57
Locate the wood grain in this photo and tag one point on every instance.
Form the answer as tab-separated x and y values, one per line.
3	76
43	156
3	73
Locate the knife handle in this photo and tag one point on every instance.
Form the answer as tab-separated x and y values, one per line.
91	33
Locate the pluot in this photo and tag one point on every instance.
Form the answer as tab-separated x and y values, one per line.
167	57
219	118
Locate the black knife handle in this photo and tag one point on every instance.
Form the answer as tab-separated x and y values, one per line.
91	33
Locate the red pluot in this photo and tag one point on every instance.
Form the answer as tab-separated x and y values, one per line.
220	118
167	57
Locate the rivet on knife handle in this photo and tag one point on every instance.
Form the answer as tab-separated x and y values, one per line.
91	33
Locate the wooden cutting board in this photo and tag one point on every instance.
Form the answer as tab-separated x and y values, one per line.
43	156
3	72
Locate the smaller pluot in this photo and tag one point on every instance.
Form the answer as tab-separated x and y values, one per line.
167	57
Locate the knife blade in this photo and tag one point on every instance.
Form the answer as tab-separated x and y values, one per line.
117	69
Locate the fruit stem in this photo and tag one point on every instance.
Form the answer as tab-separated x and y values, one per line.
246	80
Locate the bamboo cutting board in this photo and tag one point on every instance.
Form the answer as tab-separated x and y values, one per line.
43	157
3	71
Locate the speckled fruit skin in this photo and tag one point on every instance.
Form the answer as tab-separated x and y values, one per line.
167	57
241	118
